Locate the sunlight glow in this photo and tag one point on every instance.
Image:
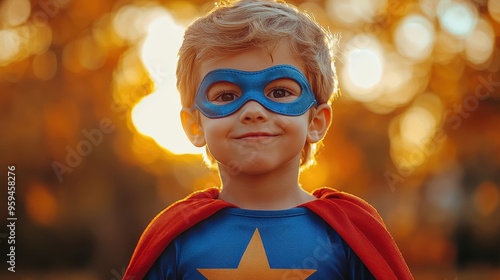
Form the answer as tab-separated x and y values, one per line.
129	22
157	115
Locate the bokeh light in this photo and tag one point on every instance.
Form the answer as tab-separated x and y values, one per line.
11	43
457	17
414	37
494	10
364	66
398	81
416	126
480	43
15	12
351	12
41	205
413	133
429	7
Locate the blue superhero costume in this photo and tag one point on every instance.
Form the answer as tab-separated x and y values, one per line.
248	244
355	221
203	237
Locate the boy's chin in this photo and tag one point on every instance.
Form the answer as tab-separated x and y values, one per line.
237	168
255	166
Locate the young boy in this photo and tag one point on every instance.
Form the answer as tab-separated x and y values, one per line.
256	82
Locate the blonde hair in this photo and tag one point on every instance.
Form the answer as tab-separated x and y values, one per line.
233	27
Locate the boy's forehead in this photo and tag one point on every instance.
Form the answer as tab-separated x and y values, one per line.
253	59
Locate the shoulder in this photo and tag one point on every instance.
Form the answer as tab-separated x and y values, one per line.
332	199
189	210
169	223
360	225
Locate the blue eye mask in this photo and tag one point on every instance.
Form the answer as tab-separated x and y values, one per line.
252	85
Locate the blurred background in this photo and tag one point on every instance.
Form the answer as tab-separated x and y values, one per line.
89	118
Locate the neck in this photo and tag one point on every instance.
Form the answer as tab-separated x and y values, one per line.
269	191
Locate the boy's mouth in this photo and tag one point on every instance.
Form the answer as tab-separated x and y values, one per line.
256	135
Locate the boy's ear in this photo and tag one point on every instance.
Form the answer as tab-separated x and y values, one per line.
192	127
319	123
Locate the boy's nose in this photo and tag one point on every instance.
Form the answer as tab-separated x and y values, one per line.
253	112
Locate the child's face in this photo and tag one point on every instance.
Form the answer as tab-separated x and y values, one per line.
254	139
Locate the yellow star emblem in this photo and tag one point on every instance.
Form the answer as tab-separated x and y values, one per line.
253	265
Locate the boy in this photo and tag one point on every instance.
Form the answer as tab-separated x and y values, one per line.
256	82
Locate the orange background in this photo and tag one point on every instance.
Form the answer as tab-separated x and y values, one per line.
88	182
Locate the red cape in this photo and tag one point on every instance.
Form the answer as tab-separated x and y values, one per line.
357	222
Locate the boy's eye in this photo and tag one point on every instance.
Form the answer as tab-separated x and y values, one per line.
223	92
226	97
279	93
283	90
